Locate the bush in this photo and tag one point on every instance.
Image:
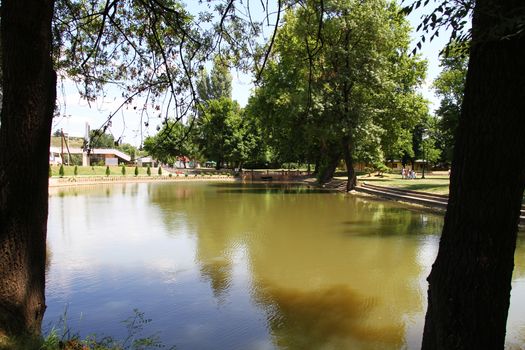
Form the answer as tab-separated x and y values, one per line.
108	172
170	175
123	171
75	171
61	170
136	171
160	171
148	171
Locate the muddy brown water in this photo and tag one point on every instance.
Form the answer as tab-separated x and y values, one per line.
232	266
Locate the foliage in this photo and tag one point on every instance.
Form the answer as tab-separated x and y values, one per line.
153	51
61	170
173	140
136	171
159	172
449	86
61	337
216	85
75	171
148	171
224	134
446	15
354	93
108	172
123	170
98	139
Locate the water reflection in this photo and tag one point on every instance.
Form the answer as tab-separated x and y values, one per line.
231	266
297	258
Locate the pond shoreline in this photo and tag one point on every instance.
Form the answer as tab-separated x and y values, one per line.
336	185
92	180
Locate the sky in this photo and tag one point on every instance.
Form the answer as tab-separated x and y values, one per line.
127	124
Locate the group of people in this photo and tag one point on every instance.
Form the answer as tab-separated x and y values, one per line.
408	174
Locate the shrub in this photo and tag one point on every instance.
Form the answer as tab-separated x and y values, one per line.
148	171
160	170
75	171
108	172
170	175
136	171
61	170
123	170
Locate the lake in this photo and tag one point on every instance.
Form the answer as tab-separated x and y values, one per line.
232	266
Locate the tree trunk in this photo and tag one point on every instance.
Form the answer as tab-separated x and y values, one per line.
470	282
347	153
316	166
29	87
328	164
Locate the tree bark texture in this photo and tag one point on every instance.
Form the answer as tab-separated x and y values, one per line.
470	282
347	153
29	87
329	159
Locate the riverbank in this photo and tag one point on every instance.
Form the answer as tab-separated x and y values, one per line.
433	183
91	180
431	192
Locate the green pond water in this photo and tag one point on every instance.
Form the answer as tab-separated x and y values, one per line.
232	266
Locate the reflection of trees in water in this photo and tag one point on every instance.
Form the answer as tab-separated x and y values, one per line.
215	218
335	289
218	273
333	317
327	269
94	190
389	219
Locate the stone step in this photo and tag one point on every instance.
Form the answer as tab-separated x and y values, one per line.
418	197
411	198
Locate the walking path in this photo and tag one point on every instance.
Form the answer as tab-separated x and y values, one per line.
437	201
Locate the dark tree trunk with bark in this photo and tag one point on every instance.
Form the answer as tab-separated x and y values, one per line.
328	160
316	166
347	153
29	85
470	282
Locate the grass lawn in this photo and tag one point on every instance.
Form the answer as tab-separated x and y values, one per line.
100	170
431	183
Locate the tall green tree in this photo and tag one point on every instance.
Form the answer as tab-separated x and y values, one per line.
99	139
217	84
173	140
222	133
449	86
354	93
220	79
